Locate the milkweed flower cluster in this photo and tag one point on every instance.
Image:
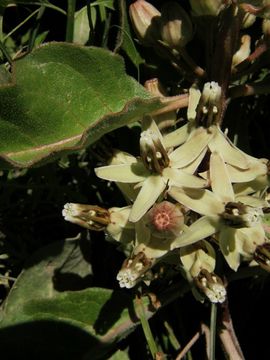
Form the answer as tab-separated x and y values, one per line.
191	191
176	206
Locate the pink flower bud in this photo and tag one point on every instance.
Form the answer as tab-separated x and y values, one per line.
145	18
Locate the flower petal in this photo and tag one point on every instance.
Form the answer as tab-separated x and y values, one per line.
191	149
193	166
220	181
232	155
181	178
201	201
252	201
127	173
255	169
193	101
200	229
258	184
176	137
195	258
248	239
228	246
150	191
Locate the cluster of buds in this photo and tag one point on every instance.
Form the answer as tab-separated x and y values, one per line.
172	25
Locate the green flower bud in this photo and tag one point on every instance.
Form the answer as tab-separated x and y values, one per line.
176	27
248	20
145	20
164	120
207	7
266	27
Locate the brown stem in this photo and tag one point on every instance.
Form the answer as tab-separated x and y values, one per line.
262	87
226	41
204	330
190	63
174	103
227	335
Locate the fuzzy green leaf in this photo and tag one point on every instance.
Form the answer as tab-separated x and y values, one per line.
64	97
40	310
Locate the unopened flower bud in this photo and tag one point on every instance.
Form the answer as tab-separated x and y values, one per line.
238	215
153	154
165	219
176	27
133	270
164	120
211	286
248	20
88	216
145	20
207	7
262	256
243	52
266	27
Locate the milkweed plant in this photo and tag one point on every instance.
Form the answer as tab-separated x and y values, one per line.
196	199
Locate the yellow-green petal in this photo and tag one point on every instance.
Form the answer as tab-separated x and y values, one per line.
181	178
232	155
201	201
200	229
228	246
220	181
237	175
126	173
191	149
176	137
151	189
193	166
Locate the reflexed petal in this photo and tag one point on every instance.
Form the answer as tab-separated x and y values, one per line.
157	247
252	201
220	181
248	239
180	178
232	155
258	184
128	173
200	229
193	101
142	233
228	246
195	258
193	166
255	169
176	137
199	200
122	157
150	191
191	149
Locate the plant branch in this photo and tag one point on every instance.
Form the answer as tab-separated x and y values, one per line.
70	20
227	335
213	321
203	331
